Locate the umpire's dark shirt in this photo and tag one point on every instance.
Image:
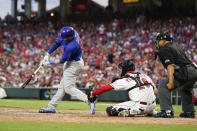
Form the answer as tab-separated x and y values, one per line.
170	54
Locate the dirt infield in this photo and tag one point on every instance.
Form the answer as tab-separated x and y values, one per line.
84	117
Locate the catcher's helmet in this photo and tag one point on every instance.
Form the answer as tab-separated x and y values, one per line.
127	65
66	32
161	36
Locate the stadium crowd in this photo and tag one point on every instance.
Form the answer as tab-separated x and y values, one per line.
22	47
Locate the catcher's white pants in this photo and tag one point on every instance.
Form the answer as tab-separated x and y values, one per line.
136	108
67	84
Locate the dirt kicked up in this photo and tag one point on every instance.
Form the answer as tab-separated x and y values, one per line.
84	117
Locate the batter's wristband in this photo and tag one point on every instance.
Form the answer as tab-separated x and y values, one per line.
51	62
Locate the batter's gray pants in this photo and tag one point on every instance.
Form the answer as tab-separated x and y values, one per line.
186	91
67	84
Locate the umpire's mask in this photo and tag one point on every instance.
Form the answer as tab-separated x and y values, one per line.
161	36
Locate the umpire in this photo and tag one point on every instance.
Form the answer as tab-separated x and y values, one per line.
182	74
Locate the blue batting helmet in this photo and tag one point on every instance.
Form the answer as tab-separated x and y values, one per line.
66	32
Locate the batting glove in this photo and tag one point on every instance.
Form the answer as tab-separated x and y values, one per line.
46	57
46	63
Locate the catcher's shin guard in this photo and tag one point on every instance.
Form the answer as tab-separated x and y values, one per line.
111	111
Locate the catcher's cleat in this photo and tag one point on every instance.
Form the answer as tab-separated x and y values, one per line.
124	113
187	115
45	110
165	114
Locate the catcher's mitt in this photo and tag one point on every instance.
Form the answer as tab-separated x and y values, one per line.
91	98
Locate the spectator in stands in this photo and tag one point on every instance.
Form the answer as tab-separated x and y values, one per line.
22	47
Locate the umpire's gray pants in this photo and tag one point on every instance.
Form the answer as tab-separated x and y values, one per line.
186	92
67	84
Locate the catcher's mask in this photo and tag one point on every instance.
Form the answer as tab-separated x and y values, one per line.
161	36
126	65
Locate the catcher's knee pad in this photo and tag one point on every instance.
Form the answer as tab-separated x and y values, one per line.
111	111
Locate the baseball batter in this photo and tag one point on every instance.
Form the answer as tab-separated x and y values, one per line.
141	91
73	64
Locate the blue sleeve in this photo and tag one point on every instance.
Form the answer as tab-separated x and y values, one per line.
65	56
55	46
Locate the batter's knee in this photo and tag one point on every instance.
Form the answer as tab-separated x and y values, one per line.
111	111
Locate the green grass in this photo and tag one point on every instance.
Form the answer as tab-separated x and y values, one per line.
75	105
29	126
65	105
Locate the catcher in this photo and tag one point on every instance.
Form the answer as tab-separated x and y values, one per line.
141	91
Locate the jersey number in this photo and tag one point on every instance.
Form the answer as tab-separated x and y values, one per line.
144	82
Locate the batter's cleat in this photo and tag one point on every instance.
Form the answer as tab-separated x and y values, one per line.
187	115
165	114
45	110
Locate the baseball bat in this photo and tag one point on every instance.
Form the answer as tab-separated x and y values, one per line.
30	78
